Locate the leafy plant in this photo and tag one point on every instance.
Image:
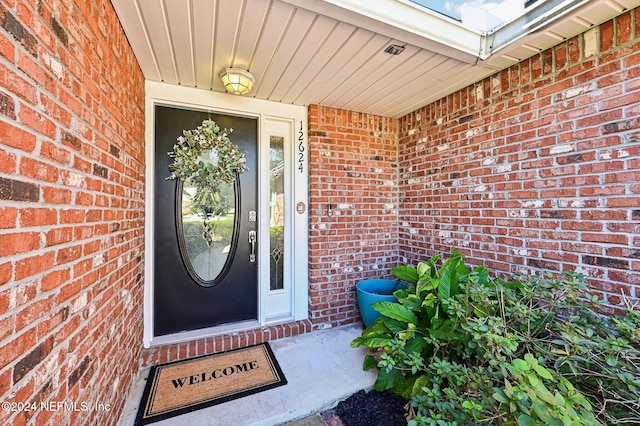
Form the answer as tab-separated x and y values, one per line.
464	349
538	397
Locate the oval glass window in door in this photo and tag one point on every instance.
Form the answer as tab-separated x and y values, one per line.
207	230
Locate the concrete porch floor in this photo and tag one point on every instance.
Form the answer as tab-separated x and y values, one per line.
321	369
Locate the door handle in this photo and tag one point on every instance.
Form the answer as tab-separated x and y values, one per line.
252	246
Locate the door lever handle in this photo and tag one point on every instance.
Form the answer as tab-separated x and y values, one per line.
252	246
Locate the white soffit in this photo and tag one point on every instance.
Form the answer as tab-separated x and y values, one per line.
331	52
403	20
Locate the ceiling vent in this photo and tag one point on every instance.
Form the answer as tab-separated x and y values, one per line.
394	49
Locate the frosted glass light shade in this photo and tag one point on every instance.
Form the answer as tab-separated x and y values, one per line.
237	80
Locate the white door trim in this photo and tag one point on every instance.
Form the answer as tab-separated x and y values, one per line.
265	112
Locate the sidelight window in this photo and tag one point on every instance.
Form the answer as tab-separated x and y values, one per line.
276	212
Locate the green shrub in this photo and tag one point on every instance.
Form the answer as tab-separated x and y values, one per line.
532	350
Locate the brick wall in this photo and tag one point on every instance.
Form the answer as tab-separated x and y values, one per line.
536	167
71	211
353	168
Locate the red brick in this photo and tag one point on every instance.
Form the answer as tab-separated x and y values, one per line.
17	85
54	279
30	67
33	313
19	345
5	382
7	162
7	48
19	242
37	121
58	236
68	254
8	217
606	35
6	270
624	27
53	152
38	216
33	265
54	195
16	138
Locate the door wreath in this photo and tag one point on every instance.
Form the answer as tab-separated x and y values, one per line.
206	158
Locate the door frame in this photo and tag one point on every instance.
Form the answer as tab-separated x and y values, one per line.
296	201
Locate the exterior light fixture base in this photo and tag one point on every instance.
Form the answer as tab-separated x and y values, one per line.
237	80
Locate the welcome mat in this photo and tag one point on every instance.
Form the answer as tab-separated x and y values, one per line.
183	386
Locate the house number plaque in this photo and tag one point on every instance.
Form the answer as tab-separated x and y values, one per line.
301	149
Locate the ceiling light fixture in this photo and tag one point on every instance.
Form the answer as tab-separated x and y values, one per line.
237	80
394	49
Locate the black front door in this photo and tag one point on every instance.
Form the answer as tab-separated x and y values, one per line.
203	280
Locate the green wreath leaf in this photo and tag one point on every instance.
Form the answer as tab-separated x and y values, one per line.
206	174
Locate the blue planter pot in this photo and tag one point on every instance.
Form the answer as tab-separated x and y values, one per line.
371	291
